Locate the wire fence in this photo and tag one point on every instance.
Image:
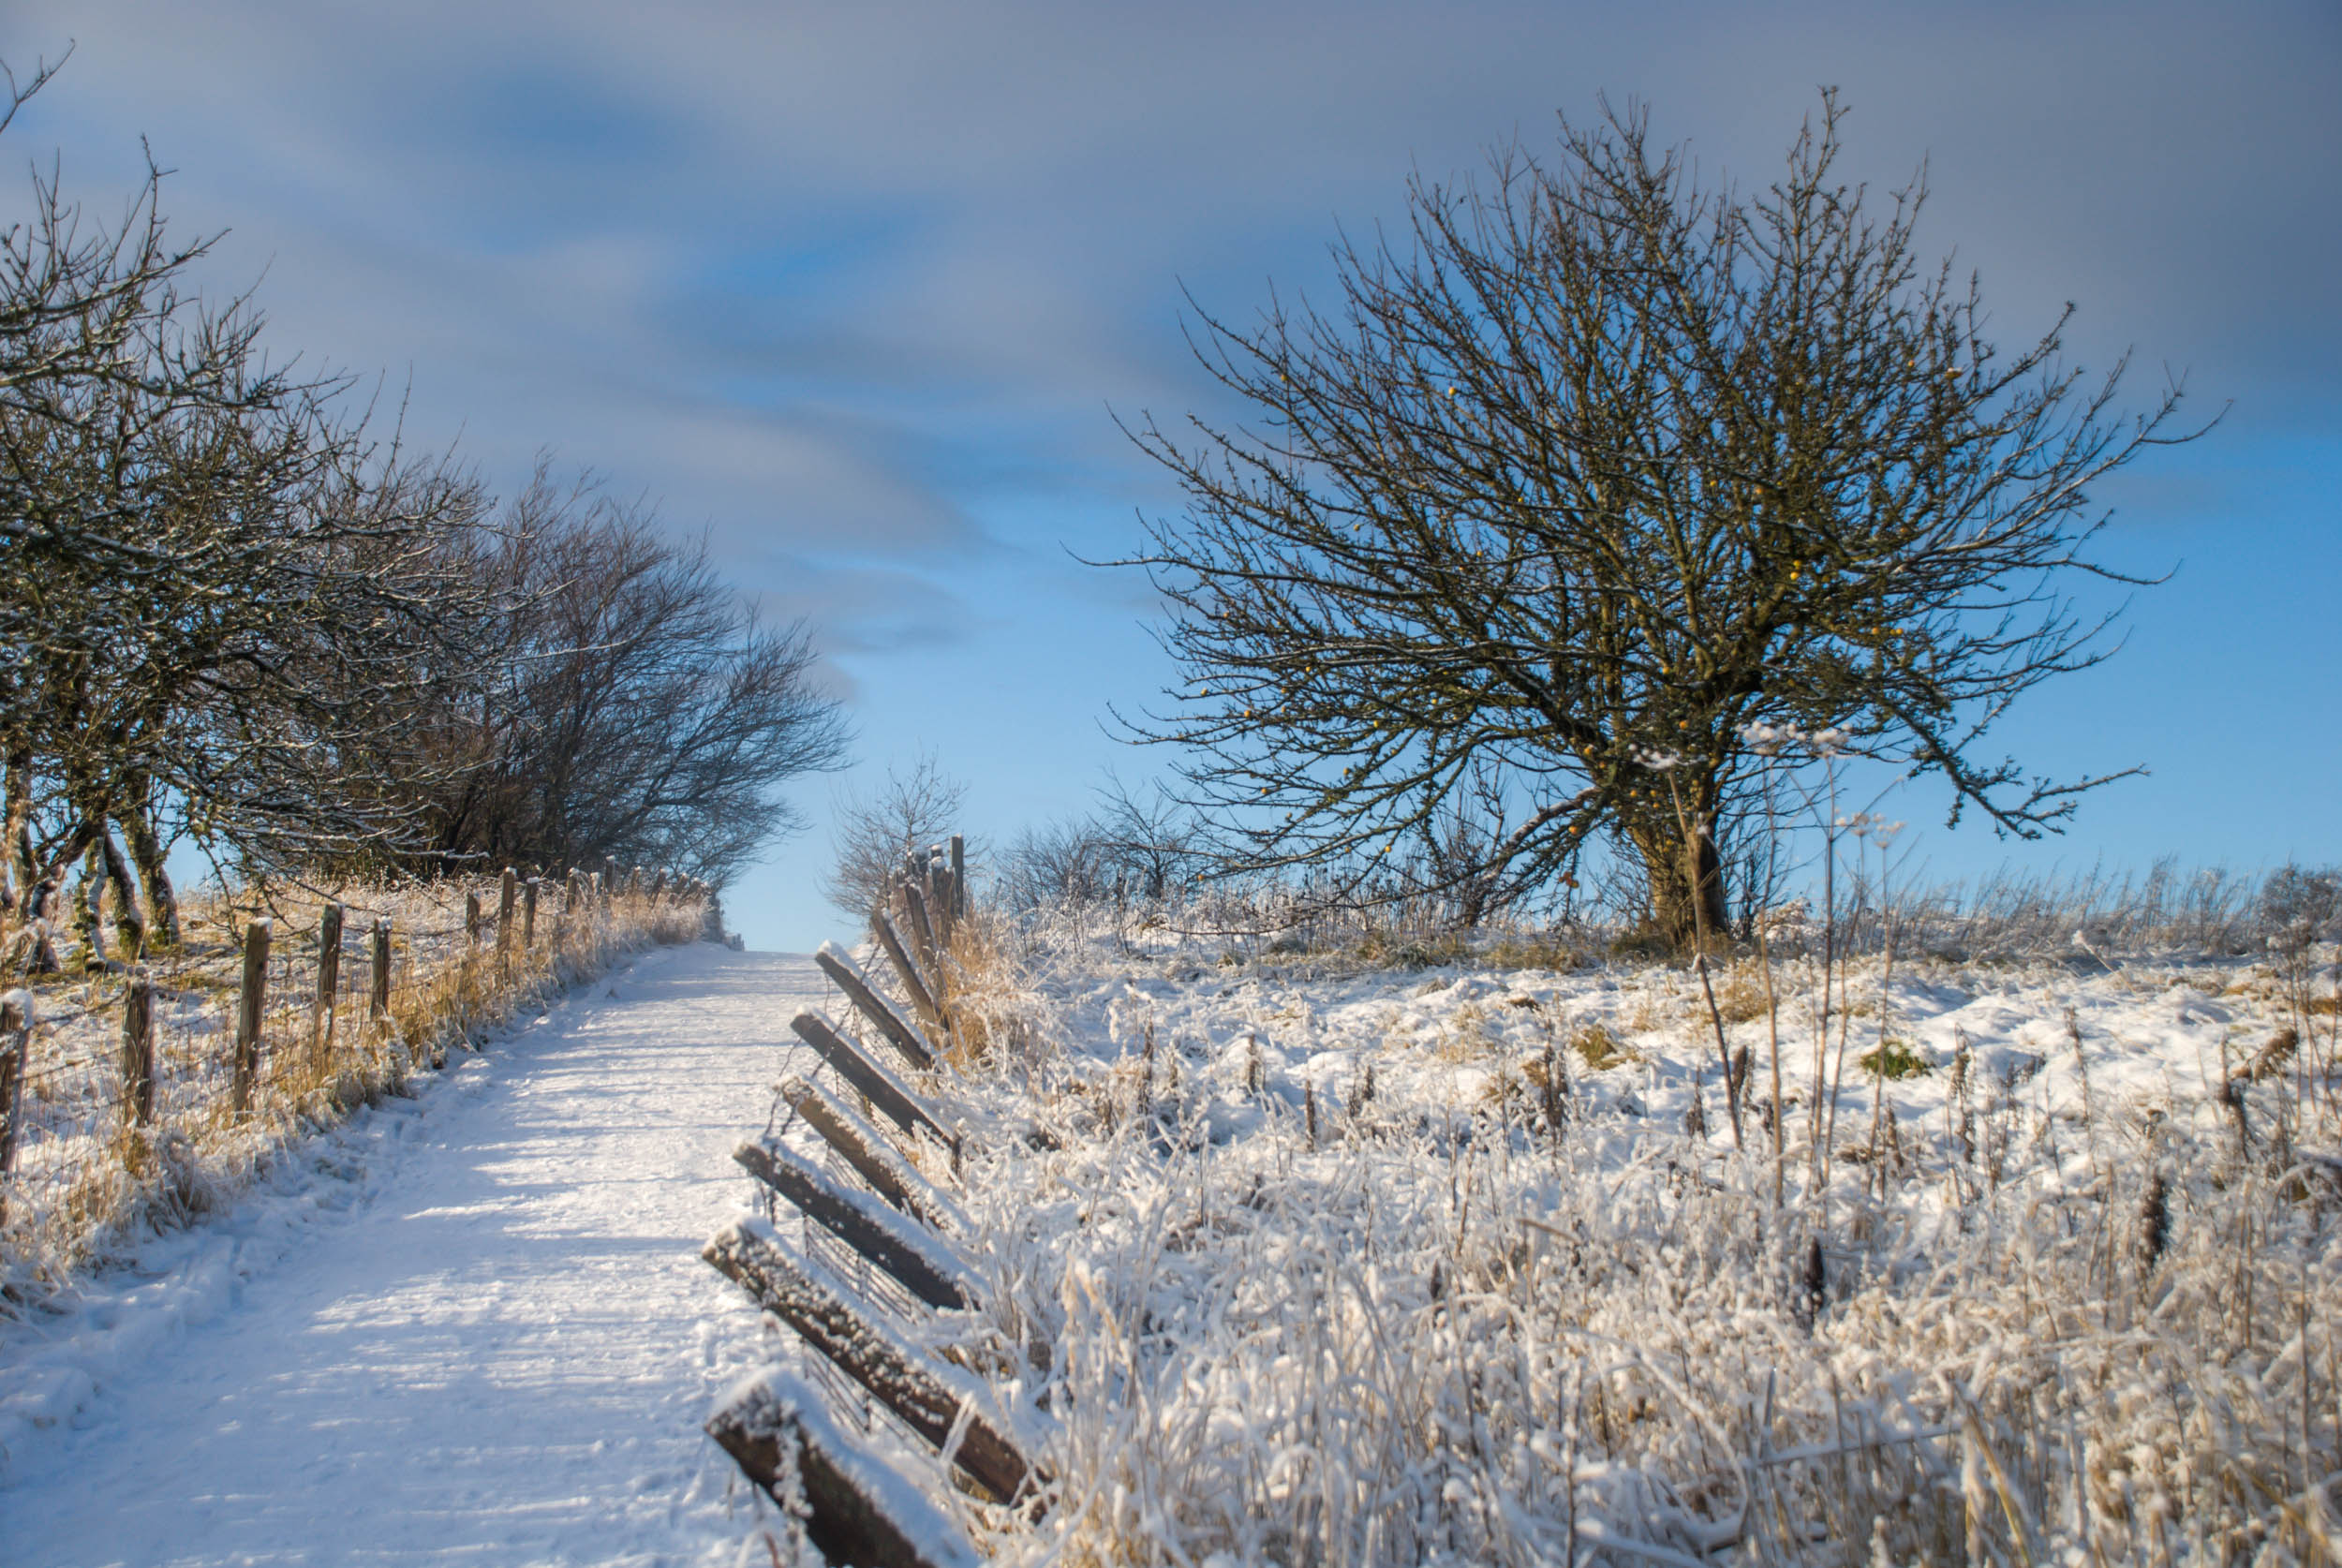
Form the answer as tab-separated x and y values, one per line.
145	1093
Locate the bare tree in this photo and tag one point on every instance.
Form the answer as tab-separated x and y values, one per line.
872	832
1147	839
1605	469
212	591
1055	866
627	702
227	612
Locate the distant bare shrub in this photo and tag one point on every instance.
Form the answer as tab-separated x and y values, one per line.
873	831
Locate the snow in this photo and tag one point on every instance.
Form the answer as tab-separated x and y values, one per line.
769	1402
1426	1325
470	1324
1412	1320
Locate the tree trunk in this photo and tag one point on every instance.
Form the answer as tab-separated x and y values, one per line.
88	901
16	863
1667	865
162	902
129	923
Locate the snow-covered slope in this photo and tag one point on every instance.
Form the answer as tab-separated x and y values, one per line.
470	1326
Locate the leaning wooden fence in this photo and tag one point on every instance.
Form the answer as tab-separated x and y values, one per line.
144	1088
867	1260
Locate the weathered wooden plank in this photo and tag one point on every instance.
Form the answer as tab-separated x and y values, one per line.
379	977
883	1089
16	1052
864	1147
839	966
886	1239
900	1376
943	903
137	1053
923	929
922	998
854	1508
322	1008
251	1000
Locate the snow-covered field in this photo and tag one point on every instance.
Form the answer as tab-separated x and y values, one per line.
1330	1262
471	1325
1334	1277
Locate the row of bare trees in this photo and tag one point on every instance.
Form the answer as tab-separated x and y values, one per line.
232	611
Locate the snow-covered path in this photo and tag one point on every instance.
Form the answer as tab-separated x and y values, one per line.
473	1329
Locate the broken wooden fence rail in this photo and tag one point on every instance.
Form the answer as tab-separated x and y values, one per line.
854	1508
865	1148
847	976
924	1000
886	1094
884	1238
932	1401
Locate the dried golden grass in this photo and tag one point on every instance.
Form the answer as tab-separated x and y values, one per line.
315	1067
1599	1048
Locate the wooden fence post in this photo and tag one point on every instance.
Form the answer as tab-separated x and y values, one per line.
960	874
379	1007
328	977
658	885
137	1053
248	1005
471	922
506	891
528	916
946	899
16	1047
865	1148
889	1097
839	966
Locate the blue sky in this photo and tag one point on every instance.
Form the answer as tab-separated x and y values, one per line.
855	289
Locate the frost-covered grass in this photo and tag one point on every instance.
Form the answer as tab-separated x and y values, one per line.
1350	1264
86	1178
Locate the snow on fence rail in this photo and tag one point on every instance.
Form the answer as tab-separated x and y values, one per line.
872	1269
146	1091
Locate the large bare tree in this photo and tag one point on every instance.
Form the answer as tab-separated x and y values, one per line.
1601	469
